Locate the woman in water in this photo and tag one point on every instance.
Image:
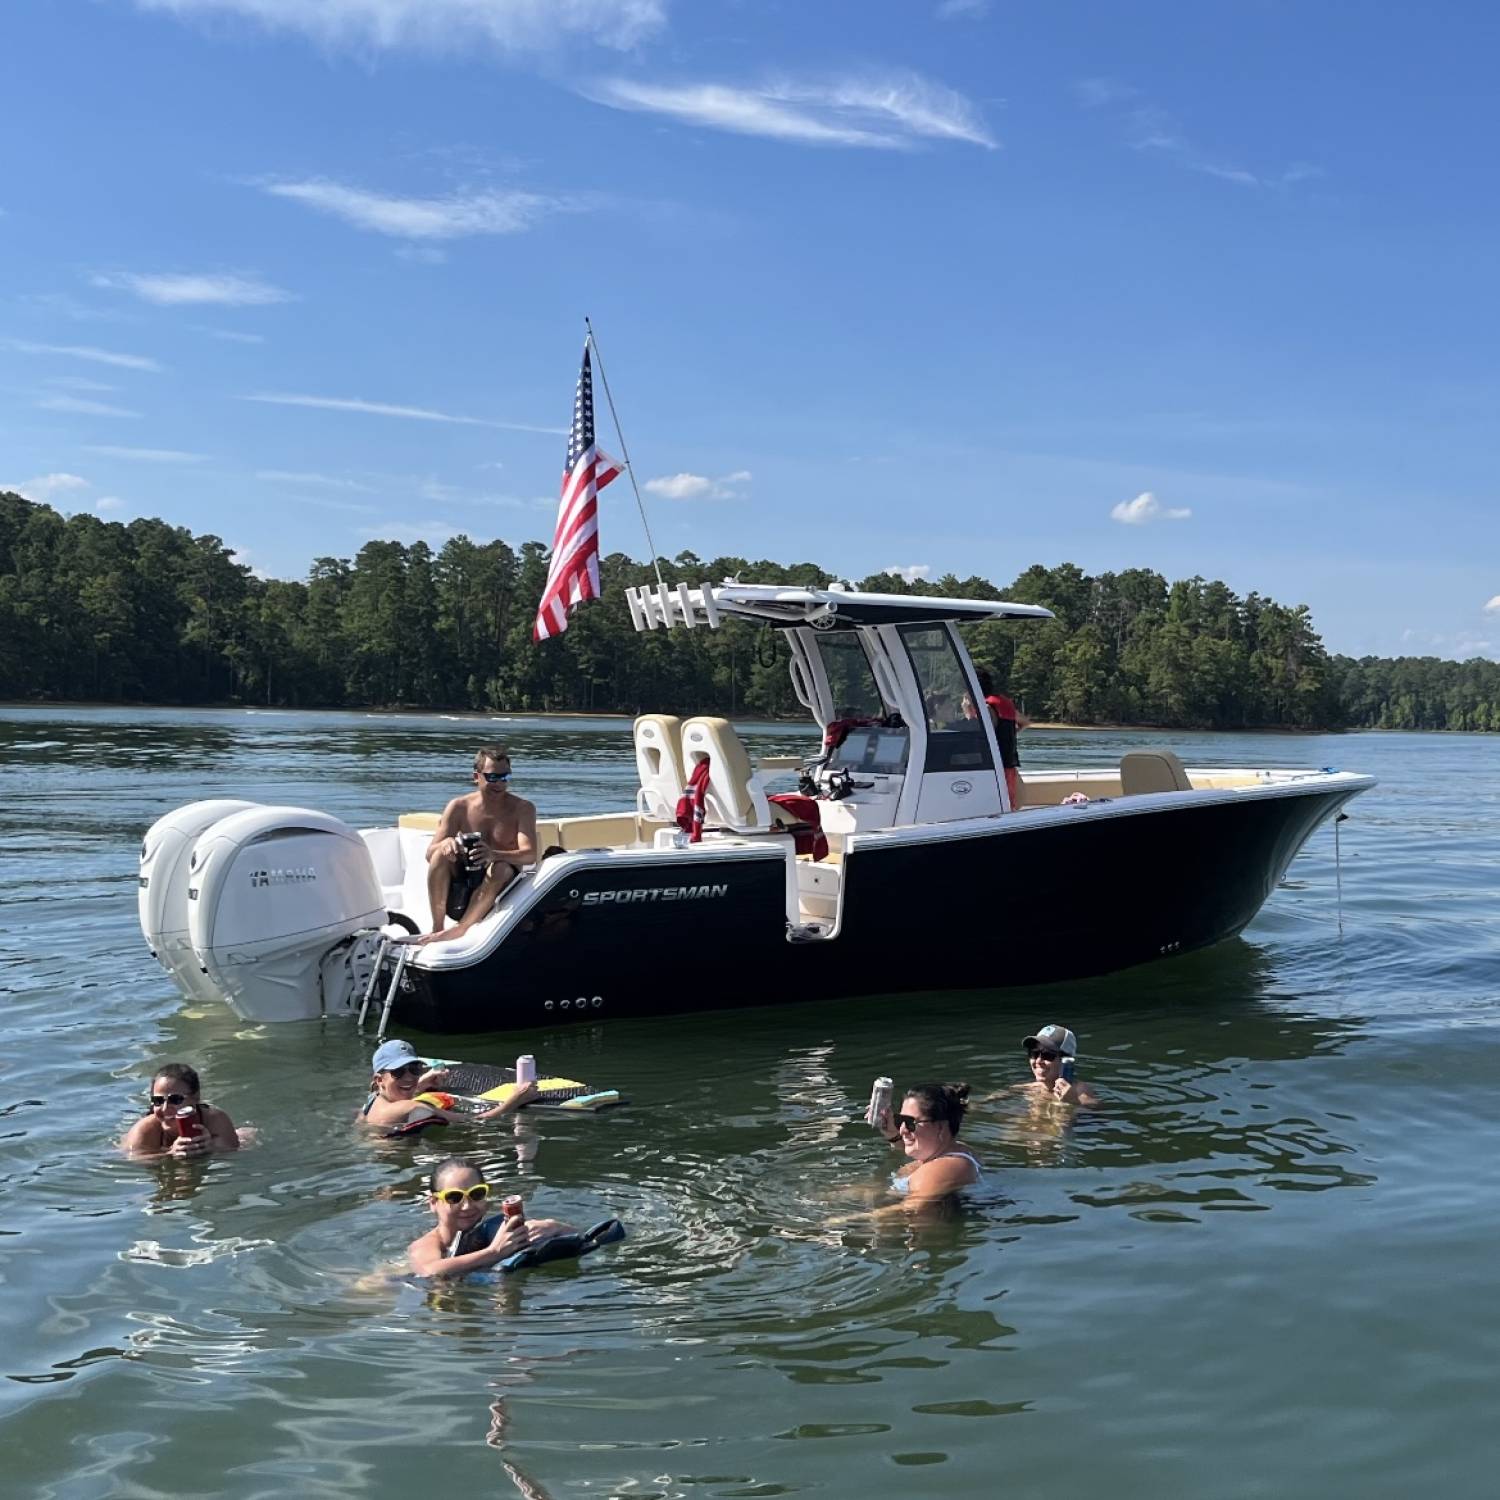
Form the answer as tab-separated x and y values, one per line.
463	1240
180	1123
397	1091
927	1130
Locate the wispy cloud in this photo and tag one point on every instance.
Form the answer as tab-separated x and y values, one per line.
1144	509
699	486
79	383
44	486
891	112
440	25
1147	127
1493	607
385	409
84	351
84	407
60	304
230	335
409	218
963	10
200	289
146	455
303	478
106	504
911	572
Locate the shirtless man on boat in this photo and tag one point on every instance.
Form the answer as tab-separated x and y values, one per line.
505	827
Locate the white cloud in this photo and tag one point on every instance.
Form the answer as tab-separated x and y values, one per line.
384	409
1150	128
1493	607
178	289
454	217
302	477
230	335
147	455
80	383
83	351
107	503
911	572
440	25
83	407
963	10
1144	509
884	111
698	486
45	486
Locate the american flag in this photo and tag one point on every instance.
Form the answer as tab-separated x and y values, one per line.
574	572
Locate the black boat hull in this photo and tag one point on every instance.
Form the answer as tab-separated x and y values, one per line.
1020	903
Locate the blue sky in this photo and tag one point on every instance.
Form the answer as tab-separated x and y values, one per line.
936	284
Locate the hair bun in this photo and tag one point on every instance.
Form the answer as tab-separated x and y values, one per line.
960	1091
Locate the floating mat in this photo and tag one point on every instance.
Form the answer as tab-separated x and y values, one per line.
487	1083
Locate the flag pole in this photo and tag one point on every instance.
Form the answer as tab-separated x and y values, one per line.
614	416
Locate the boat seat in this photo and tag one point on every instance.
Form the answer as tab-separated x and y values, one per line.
734	798
1144	771
658	761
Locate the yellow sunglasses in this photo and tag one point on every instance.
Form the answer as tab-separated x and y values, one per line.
476	1194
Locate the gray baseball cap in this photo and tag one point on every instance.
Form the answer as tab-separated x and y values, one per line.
1056	1038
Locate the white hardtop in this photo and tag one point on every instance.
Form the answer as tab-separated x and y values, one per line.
781	604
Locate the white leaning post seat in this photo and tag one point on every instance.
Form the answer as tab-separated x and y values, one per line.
734	799
658	760
1144	771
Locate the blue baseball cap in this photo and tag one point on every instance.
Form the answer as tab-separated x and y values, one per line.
393	1054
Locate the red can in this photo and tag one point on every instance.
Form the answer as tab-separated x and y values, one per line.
186	1121
513	1207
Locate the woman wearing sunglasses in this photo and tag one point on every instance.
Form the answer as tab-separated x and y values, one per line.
463	1239
180	1123
399	1094
927	1131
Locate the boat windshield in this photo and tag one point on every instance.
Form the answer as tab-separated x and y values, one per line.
956	740
851	683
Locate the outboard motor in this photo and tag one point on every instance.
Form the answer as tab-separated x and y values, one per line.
163	895
274	889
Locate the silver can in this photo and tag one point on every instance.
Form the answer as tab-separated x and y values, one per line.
880	1101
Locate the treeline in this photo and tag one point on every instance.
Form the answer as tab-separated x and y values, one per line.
147	612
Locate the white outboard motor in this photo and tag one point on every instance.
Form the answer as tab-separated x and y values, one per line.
274	889
163	894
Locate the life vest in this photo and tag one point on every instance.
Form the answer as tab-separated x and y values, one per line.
690	806
809	838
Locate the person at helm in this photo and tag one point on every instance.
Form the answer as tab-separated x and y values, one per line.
1050	1053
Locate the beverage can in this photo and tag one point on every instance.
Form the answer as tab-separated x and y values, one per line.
880	1101
186	1121
513	1207
526	1068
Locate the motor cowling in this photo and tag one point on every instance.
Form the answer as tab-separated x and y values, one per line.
272	891
162	896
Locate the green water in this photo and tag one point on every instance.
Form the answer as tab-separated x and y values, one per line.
1264	1267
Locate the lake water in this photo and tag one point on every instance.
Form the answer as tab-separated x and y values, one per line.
1266	1267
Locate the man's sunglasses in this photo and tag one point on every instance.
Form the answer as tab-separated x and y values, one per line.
1046	1054
454	1196
910	1122
157	1100
407	1070
493	776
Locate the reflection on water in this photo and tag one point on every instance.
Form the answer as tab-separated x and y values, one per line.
1285	1144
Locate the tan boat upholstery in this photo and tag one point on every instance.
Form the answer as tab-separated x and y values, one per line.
1144	771
658	760
734	799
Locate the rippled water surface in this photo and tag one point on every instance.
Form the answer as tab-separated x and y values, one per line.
1266	1266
